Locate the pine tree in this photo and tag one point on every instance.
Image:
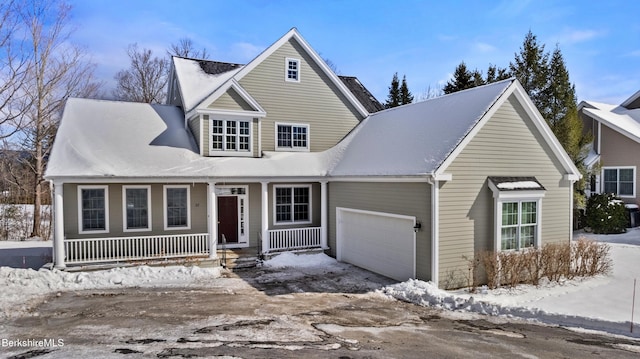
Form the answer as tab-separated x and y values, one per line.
531	67
393	100
405	95
462	80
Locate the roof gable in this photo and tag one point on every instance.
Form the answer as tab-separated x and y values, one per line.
239	72
424	138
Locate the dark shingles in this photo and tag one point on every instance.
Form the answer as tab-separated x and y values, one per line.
370	103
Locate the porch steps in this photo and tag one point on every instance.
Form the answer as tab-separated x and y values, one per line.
240	258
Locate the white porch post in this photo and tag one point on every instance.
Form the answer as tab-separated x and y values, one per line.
323	215
212	223
265	217
58	233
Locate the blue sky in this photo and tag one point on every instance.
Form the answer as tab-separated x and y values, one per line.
424	40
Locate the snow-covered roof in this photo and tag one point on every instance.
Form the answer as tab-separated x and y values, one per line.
196	84
516	183
618	118
415	139
110	139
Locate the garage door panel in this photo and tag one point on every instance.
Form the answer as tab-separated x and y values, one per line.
380	242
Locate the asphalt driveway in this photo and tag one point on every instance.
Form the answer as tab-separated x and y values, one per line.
283	313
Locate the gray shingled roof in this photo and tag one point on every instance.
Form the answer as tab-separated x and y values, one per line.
216	67
370	103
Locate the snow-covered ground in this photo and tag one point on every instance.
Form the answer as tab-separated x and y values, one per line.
602	303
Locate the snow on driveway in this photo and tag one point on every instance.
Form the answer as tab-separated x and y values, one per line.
602	303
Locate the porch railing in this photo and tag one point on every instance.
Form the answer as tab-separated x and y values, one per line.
295	238
96	250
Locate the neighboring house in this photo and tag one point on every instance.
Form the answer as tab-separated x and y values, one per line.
281	154
615	147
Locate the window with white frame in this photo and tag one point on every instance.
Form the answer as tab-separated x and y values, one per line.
292	137
292	70
177	207
292	204
619	181
519	225
93	213
137	208
230	135
517	212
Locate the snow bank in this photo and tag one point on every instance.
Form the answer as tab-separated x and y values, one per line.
300	260
21	286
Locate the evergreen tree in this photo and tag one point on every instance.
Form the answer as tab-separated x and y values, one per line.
531	67
495	74
393	99
462	80
405	95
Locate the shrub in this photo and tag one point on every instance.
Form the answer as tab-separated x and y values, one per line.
554	261
606	214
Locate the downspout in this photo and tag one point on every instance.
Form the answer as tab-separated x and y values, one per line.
435	229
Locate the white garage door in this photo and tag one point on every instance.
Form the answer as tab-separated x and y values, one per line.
383	243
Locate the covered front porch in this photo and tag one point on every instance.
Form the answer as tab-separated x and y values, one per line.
247	229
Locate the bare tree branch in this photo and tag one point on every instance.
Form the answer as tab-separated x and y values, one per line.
145	80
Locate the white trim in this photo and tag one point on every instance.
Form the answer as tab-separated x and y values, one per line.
243	240
520	94
611	125
618	168
58	225
288	60
293	33
324	211
511	197
628	101
106	208
264	225
292	148
599	135
164	206
233	153
292	221
124	208
212	220
340	237
201	144
231	83
435	232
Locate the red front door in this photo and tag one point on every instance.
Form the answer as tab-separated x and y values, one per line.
228	219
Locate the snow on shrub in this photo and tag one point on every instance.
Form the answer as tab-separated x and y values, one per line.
606	214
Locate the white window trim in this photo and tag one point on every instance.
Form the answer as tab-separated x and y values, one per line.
293	149
618	168
501	197
124	208
286	69
224	151
164	207
292	186
106	209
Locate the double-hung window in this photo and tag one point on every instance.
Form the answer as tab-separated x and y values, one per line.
177	207
292	204
292	137
517	212
137	208
519	225
292	70
230	135
93	214
619	181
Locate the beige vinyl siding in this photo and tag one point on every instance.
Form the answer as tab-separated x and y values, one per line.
198	209
410	199
507	145
315	100
231	100
194	126
620	151
255	213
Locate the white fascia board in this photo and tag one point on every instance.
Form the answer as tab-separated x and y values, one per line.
231	83
474	131
628	101
545	130
611	125
293	33
376	179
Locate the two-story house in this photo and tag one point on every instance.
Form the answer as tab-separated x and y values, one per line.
616	146
281	154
